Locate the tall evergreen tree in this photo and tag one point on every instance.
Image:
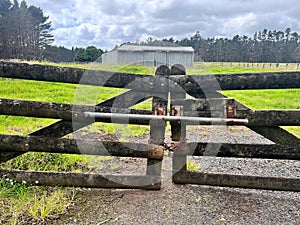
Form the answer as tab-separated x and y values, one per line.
26	31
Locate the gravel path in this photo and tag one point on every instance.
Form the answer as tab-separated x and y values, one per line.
191	204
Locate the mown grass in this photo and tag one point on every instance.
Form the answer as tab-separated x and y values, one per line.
236	67
287	99
21	202
139	69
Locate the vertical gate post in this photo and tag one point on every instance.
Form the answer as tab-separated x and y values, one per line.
159	107
178	129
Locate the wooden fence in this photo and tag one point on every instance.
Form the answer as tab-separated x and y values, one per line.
207	103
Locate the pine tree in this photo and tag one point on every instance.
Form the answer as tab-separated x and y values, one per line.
26	31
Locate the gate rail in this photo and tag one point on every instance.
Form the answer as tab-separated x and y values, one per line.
208	106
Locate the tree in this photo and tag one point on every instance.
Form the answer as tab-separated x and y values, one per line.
90	54
26	31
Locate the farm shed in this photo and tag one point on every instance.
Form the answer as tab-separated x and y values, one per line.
150	55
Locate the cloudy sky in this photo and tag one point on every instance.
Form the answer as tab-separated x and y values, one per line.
105	23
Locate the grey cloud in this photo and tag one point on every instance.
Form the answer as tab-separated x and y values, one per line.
111	22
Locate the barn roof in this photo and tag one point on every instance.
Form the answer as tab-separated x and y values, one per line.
141	48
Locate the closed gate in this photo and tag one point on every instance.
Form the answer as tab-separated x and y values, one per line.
170	86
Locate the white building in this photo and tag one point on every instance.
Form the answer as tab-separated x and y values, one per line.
150	55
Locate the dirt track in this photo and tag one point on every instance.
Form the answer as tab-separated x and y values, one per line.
189	204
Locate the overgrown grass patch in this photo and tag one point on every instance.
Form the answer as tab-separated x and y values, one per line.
25	204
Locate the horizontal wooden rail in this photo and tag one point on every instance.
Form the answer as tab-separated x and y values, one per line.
271	117
210	108
67	112
238	181
81	76
191	84
270	151
208	104
83	180
197	85
14	143
257	118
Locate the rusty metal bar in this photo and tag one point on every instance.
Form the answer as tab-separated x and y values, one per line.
84	180
185	119
238	181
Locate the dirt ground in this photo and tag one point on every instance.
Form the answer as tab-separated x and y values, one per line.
191	204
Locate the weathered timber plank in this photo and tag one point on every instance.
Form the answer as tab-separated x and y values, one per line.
277	135
84	180
67	112
272	117
178	129
62	128
14	143
147	82
157	128
238	181
207	104
256	118
127	99
270	151
76	76
203	83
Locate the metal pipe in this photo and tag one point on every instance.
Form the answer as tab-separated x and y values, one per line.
185	119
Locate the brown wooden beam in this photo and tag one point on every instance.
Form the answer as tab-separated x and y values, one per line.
274	80
277	135
14	143
83	180
178	129
271	151
62	127
157	128
238	181
67	112
273	118
256	118
72	75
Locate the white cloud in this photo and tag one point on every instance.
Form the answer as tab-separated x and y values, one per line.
238	25
105	23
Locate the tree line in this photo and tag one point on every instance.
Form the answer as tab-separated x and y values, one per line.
62	54
265	46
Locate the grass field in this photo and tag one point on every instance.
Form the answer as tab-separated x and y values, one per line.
20	202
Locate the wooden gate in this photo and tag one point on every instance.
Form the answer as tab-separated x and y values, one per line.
49	139
208	102
205	92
